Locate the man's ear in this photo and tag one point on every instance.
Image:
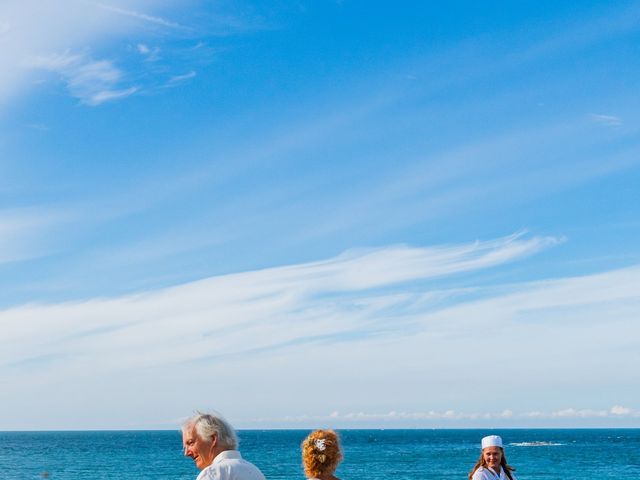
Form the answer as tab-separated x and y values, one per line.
214	441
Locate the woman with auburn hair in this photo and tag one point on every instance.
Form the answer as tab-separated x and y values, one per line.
321	454
492	464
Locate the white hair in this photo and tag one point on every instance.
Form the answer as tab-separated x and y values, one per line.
208	426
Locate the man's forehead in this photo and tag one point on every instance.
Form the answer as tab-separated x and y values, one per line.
189	432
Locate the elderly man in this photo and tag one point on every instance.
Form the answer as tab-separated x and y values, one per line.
212	444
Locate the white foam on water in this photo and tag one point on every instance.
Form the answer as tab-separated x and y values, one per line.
535	444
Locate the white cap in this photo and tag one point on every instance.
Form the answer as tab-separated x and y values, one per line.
491	441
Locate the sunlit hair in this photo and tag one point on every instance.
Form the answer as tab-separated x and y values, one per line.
208	426
503	463
321	453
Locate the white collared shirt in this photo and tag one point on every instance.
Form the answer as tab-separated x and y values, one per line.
229	465
489	473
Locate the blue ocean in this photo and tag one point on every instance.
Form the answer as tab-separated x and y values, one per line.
369	454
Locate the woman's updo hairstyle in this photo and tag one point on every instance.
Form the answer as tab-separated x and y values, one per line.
321	453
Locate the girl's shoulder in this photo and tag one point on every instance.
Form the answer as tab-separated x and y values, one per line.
479	474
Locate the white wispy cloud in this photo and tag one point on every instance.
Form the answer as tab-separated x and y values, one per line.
619	410
91	81
615	411
583	413
454	415
249	301
107	95
181	78
247	314
152	54
140	16
608	120
41	29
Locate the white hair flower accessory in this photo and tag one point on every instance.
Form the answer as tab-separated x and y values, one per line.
321	444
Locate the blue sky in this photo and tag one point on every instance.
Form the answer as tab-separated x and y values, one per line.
319	213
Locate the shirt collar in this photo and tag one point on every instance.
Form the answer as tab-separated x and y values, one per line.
226	454
498	475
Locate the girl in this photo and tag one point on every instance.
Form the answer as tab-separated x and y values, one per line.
492	464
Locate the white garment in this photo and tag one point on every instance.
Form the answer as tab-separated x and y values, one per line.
229	465
489	474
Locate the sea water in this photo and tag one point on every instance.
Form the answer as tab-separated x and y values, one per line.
369	454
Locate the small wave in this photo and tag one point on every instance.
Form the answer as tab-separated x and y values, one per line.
536	444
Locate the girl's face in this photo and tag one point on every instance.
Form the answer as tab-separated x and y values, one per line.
492	456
